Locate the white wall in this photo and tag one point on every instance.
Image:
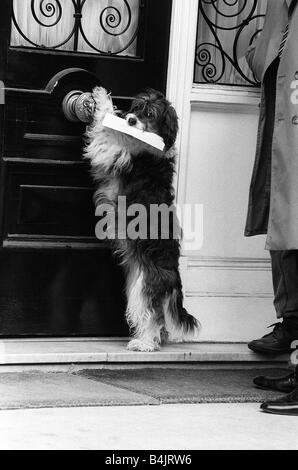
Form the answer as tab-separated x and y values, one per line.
220	158
227	282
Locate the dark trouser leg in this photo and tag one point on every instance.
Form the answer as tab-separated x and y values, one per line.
285	283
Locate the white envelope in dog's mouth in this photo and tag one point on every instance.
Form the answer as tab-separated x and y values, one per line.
118	124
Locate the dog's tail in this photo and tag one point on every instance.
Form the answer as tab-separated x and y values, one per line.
179	315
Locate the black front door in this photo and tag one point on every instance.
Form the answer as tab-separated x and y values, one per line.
55	277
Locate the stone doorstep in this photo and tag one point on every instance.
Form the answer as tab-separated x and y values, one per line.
67	353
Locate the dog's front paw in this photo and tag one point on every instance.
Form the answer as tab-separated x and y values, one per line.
103	100
140	345
100	93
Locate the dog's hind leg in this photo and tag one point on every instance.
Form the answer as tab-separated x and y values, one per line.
180	325
142	319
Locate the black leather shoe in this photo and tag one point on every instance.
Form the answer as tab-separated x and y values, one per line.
278	341
287	405
285	384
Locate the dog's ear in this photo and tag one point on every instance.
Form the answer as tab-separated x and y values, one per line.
169	127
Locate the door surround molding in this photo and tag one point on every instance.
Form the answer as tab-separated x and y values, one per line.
180	78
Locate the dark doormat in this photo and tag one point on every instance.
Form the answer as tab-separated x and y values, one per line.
188	386
54	390
129	387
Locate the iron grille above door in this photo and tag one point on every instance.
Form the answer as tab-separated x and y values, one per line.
89	26
225	30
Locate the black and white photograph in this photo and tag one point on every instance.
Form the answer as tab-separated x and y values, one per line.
148	228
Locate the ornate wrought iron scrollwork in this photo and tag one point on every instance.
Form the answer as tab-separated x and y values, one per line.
48	9
115	19
237	17
111	18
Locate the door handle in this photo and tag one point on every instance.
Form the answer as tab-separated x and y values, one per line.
79	106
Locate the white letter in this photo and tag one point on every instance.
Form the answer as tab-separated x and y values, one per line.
294	355
122	217
139	221
164	223
193	239
2	93
294	95
105	227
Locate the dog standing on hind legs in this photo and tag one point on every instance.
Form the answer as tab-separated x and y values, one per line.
123	166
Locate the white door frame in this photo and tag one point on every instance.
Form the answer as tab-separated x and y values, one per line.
180	78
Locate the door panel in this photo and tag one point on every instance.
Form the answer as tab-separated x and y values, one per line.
60	293
55	277
43	170
34	194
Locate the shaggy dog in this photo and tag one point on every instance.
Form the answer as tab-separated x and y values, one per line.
127	167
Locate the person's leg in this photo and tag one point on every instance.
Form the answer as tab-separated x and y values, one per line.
285	286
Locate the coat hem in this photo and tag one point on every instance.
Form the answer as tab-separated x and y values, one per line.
254	233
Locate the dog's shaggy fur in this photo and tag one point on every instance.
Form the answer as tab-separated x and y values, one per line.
123	166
